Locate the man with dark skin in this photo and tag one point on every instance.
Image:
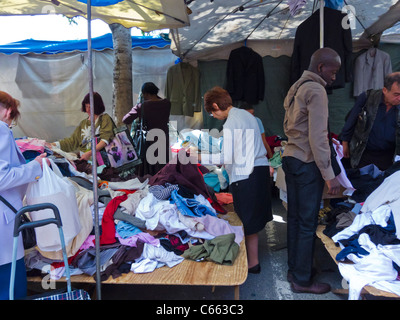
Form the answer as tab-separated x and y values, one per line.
307	165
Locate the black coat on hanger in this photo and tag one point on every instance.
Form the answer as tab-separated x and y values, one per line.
245	75
307	41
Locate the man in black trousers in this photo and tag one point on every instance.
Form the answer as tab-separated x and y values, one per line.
307	165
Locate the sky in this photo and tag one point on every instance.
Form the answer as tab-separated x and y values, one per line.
50	27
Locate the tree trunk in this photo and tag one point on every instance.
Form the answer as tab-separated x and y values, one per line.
122	100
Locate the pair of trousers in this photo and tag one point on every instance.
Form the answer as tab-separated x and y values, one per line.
304	185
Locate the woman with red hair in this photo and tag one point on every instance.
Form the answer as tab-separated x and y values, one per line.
244	157
15	174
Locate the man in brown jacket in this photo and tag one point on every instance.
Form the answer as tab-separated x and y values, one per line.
307	165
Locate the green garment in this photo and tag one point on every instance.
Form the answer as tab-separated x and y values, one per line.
182	89
80	140
222	249
276	160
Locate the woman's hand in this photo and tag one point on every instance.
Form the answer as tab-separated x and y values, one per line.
86	156
50	145
40	158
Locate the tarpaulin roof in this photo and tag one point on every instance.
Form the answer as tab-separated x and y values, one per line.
98	44
147	15
218	24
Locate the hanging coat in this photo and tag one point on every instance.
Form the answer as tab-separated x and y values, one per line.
307	41
182	89
245	76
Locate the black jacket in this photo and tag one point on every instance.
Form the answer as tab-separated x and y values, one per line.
336	37
245	76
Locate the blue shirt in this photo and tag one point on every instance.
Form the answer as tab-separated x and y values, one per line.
383	133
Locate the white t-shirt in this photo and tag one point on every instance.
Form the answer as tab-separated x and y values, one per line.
242	148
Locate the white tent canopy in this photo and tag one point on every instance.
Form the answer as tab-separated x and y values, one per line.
147	15
217	27
60	85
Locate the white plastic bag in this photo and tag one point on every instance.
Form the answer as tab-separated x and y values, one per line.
53	188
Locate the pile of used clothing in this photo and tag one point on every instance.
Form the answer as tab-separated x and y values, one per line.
145	224
368	231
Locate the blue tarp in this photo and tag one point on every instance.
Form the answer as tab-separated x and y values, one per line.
101	3
98	44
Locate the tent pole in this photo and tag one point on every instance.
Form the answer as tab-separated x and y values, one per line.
321	23
94	162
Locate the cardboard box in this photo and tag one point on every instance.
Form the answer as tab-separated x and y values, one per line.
281	184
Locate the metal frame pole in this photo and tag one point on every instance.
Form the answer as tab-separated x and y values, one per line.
94	162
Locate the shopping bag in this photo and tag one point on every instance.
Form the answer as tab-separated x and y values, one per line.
77	294
53	188
139	141
139	137
120	151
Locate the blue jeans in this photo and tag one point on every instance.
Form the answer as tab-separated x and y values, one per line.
304	185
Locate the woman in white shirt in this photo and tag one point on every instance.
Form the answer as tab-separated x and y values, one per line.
244	157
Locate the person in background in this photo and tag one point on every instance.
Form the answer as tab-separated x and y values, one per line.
156	112
15	174
307	165
371	133
250	109
244	157
80	140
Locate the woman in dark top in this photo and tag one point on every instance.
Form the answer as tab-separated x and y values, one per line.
156	116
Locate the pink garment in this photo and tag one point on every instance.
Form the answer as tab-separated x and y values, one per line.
88	243
217	227
32	144
143	236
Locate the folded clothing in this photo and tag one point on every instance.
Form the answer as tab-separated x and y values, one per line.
222	249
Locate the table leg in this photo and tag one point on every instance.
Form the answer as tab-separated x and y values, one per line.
236	293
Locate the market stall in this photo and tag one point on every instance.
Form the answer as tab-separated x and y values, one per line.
167	229
189	272
334	251
185	50
358	228
361	233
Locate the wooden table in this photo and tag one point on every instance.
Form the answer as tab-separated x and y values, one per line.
333	251
188	272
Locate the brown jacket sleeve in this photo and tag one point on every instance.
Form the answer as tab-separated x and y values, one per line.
318	113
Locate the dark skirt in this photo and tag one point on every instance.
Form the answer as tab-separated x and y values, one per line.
252	200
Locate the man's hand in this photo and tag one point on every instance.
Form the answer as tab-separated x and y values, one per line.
346	149
333	186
